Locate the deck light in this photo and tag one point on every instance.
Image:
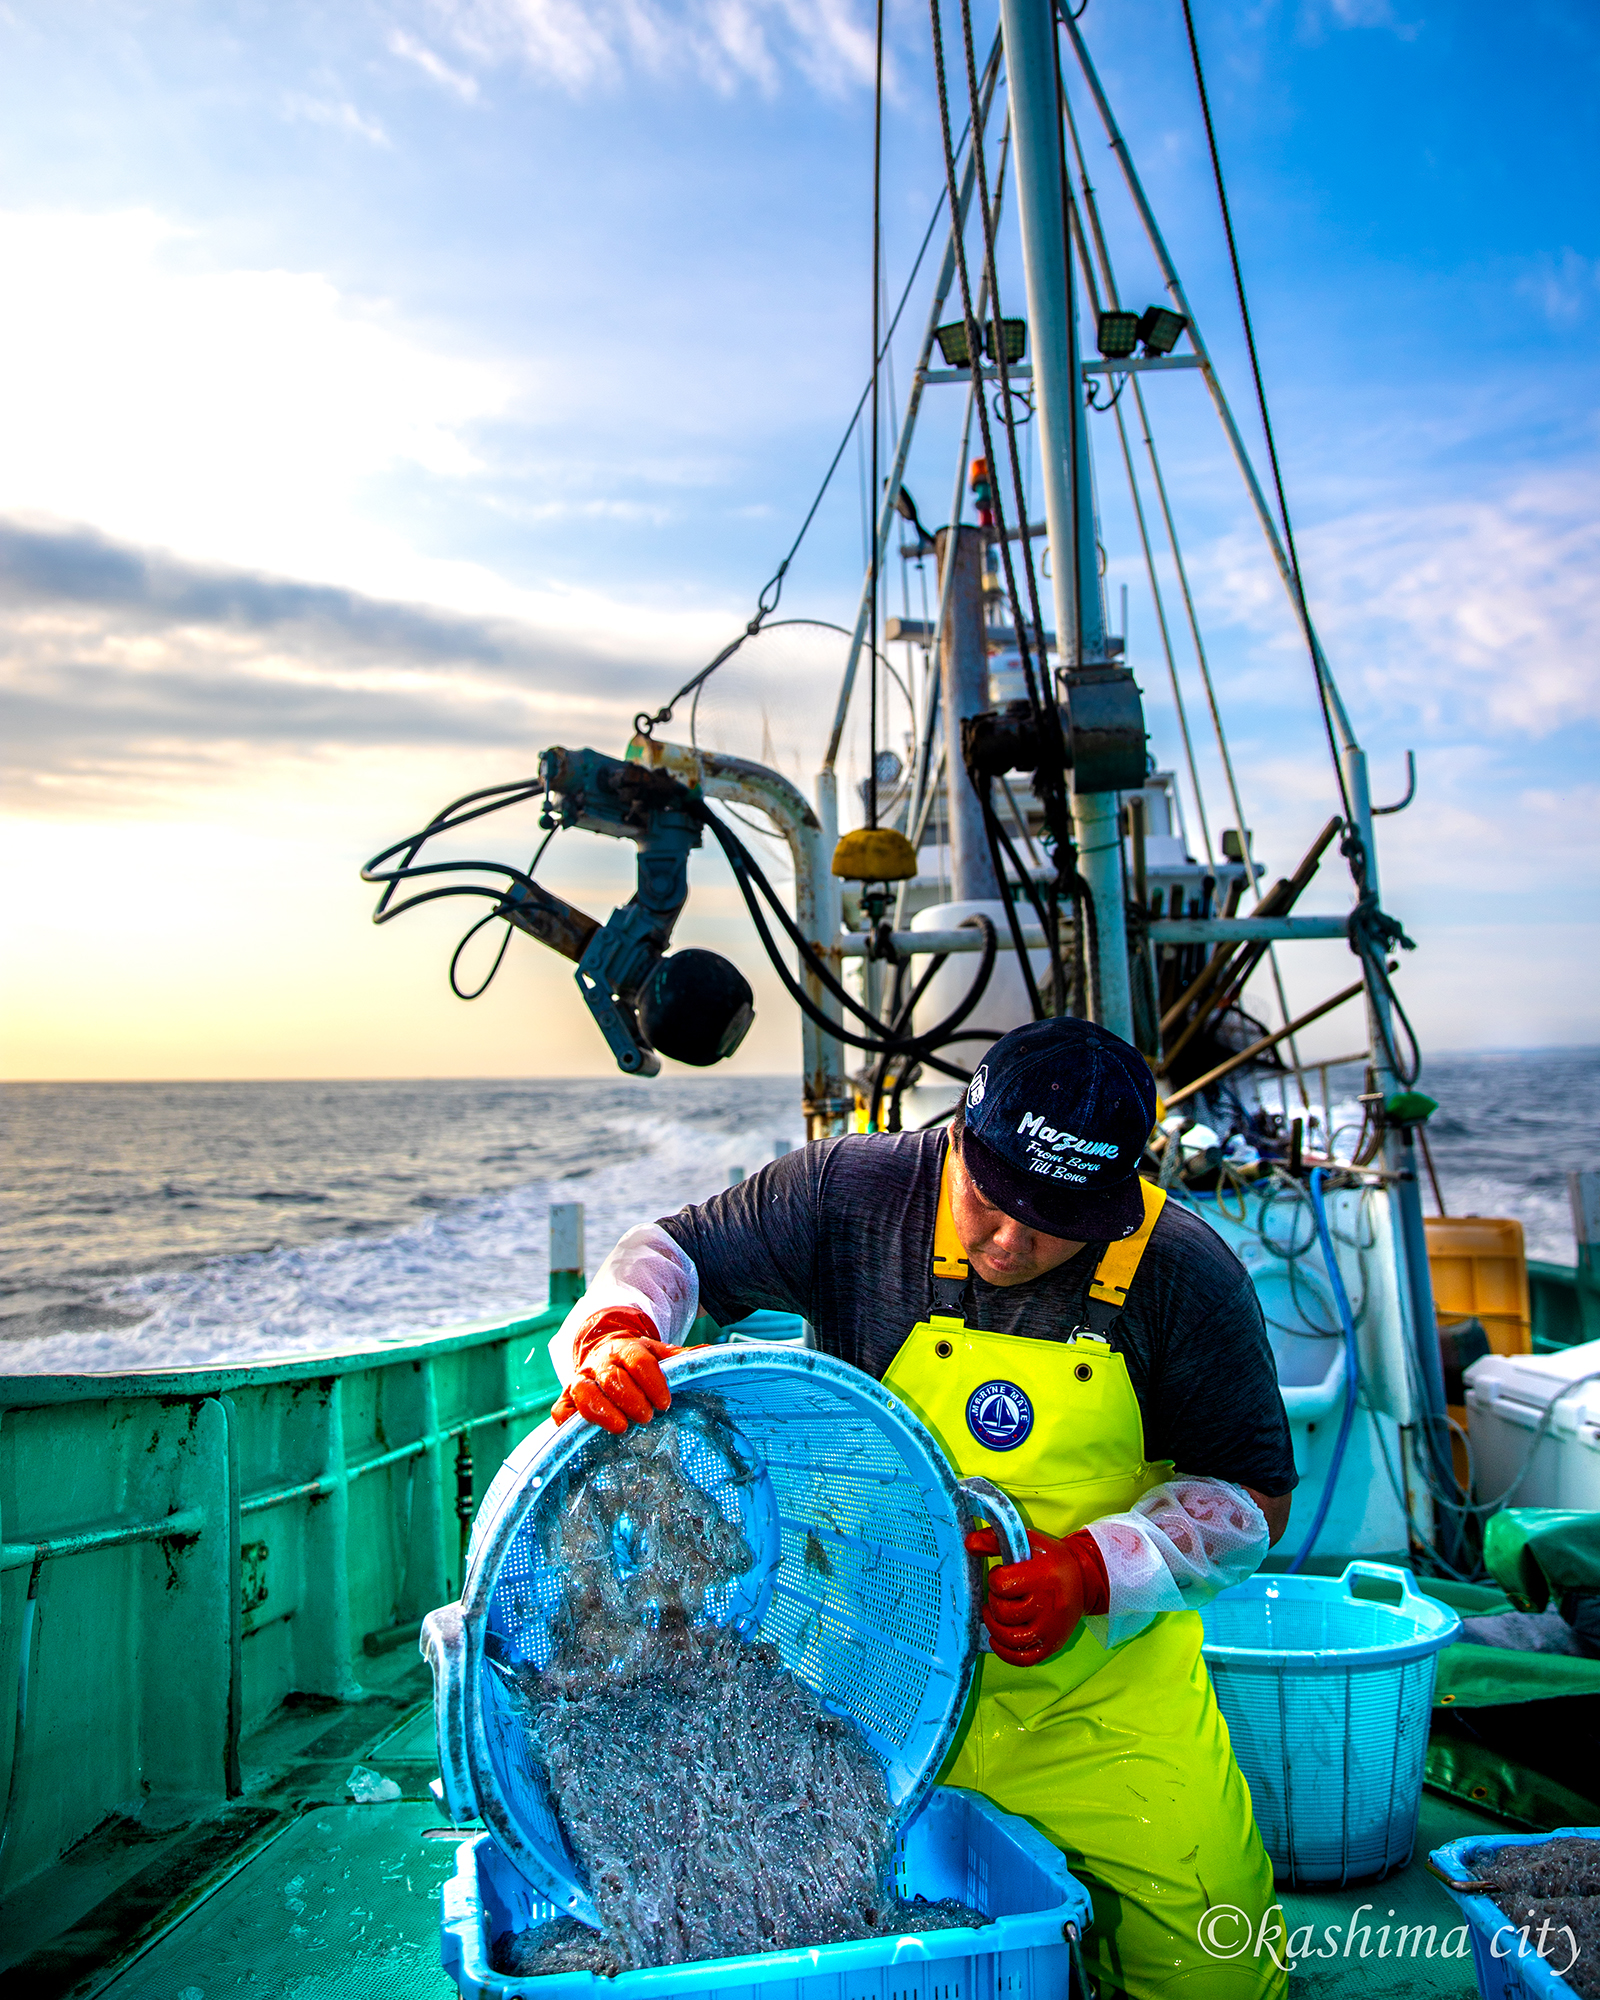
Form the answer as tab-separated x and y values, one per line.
1014	334
1160	329
1118	334
953	346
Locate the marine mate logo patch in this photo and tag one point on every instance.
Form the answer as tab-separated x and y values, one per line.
999	1415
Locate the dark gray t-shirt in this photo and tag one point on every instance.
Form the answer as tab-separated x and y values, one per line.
842	1232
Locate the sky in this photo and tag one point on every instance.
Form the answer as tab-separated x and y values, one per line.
388	391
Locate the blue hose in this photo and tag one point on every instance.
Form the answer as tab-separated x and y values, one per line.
1352	1370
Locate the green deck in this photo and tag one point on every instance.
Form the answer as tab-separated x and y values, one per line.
227	1568
1411	1896
294	1891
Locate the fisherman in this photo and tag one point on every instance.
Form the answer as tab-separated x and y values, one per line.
1065	1330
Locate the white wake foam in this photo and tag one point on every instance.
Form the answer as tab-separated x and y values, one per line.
479	1263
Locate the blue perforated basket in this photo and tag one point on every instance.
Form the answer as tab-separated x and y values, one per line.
883	1629
1327	1698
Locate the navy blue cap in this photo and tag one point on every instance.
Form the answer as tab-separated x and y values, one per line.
1053	1128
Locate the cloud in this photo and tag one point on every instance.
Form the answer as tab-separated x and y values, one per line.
1564	288
126	670
129	675
338	114
410	50
584	44
1467	613
244	415
1317	17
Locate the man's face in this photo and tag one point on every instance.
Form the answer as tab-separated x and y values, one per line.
1000	1249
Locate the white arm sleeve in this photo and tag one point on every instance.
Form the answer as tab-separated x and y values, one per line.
648	1270
1174	1550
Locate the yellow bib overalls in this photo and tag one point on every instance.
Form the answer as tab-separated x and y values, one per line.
1120	1757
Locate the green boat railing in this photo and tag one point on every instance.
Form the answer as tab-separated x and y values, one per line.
1565	1303
181	1550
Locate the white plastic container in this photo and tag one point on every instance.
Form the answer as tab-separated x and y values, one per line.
1508	1396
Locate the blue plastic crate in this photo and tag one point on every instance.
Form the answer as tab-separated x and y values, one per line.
958	1845
1327	1698
1517	1975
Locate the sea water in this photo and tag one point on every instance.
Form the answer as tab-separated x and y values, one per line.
159	1224
152	1224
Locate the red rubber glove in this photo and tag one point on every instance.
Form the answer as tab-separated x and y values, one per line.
617	1378
1033	1607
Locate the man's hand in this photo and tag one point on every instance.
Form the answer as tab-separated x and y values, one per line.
617	1378
1033	1607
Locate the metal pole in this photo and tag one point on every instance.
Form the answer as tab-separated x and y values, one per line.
1029	35
1174	285
891	491
964	691
825	1095
1029	30
1399	1156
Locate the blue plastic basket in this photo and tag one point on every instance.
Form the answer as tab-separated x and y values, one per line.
861	1579
958	1845
1519	1974
1327	1698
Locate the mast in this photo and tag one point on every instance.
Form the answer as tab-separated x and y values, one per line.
1028	27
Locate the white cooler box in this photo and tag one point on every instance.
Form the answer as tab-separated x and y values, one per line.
1507	1398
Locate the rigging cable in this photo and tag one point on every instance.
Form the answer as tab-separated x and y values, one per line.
1049	785
924	787
1261	405
1075	220
1092	209
772	590
1373	933
1007	415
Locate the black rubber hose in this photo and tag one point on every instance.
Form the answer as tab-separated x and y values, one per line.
992	828
898	1018
897	1021
808	1006
746	870
446	821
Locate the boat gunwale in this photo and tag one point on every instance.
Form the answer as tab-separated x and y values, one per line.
207	1379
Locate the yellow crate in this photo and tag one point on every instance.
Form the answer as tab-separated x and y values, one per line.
1480	1271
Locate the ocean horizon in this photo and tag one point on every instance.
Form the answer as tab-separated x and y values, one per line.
151	1222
